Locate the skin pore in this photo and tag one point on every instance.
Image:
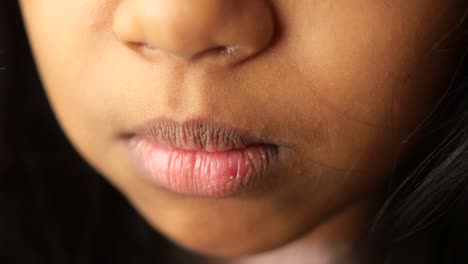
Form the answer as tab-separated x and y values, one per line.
337	85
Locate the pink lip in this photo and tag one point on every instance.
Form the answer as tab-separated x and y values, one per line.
200	158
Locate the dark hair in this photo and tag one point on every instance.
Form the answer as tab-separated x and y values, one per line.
423	218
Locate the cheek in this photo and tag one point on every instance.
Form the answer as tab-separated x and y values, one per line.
342	88
371	69
353	86
70	42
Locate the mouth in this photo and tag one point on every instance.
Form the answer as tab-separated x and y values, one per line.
200	157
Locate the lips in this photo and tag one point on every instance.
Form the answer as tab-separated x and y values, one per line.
200	157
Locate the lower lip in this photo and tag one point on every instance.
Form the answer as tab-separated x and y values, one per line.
202	173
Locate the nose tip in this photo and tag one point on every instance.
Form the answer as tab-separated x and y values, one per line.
197	28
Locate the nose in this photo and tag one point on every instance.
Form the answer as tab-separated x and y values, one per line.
191	29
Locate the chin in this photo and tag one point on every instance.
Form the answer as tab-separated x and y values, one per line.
231	239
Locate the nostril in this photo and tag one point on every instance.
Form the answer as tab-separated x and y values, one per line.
226	53
223	50
230	50
142	48
220	50
140	45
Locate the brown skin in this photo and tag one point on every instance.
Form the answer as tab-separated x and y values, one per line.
338	84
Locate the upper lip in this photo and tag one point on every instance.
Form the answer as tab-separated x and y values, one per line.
196	134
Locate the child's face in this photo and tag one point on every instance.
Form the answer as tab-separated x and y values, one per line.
336	86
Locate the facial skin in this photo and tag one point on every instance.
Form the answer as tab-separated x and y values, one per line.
337	84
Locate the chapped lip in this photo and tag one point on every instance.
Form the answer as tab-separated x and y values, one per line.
198	134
